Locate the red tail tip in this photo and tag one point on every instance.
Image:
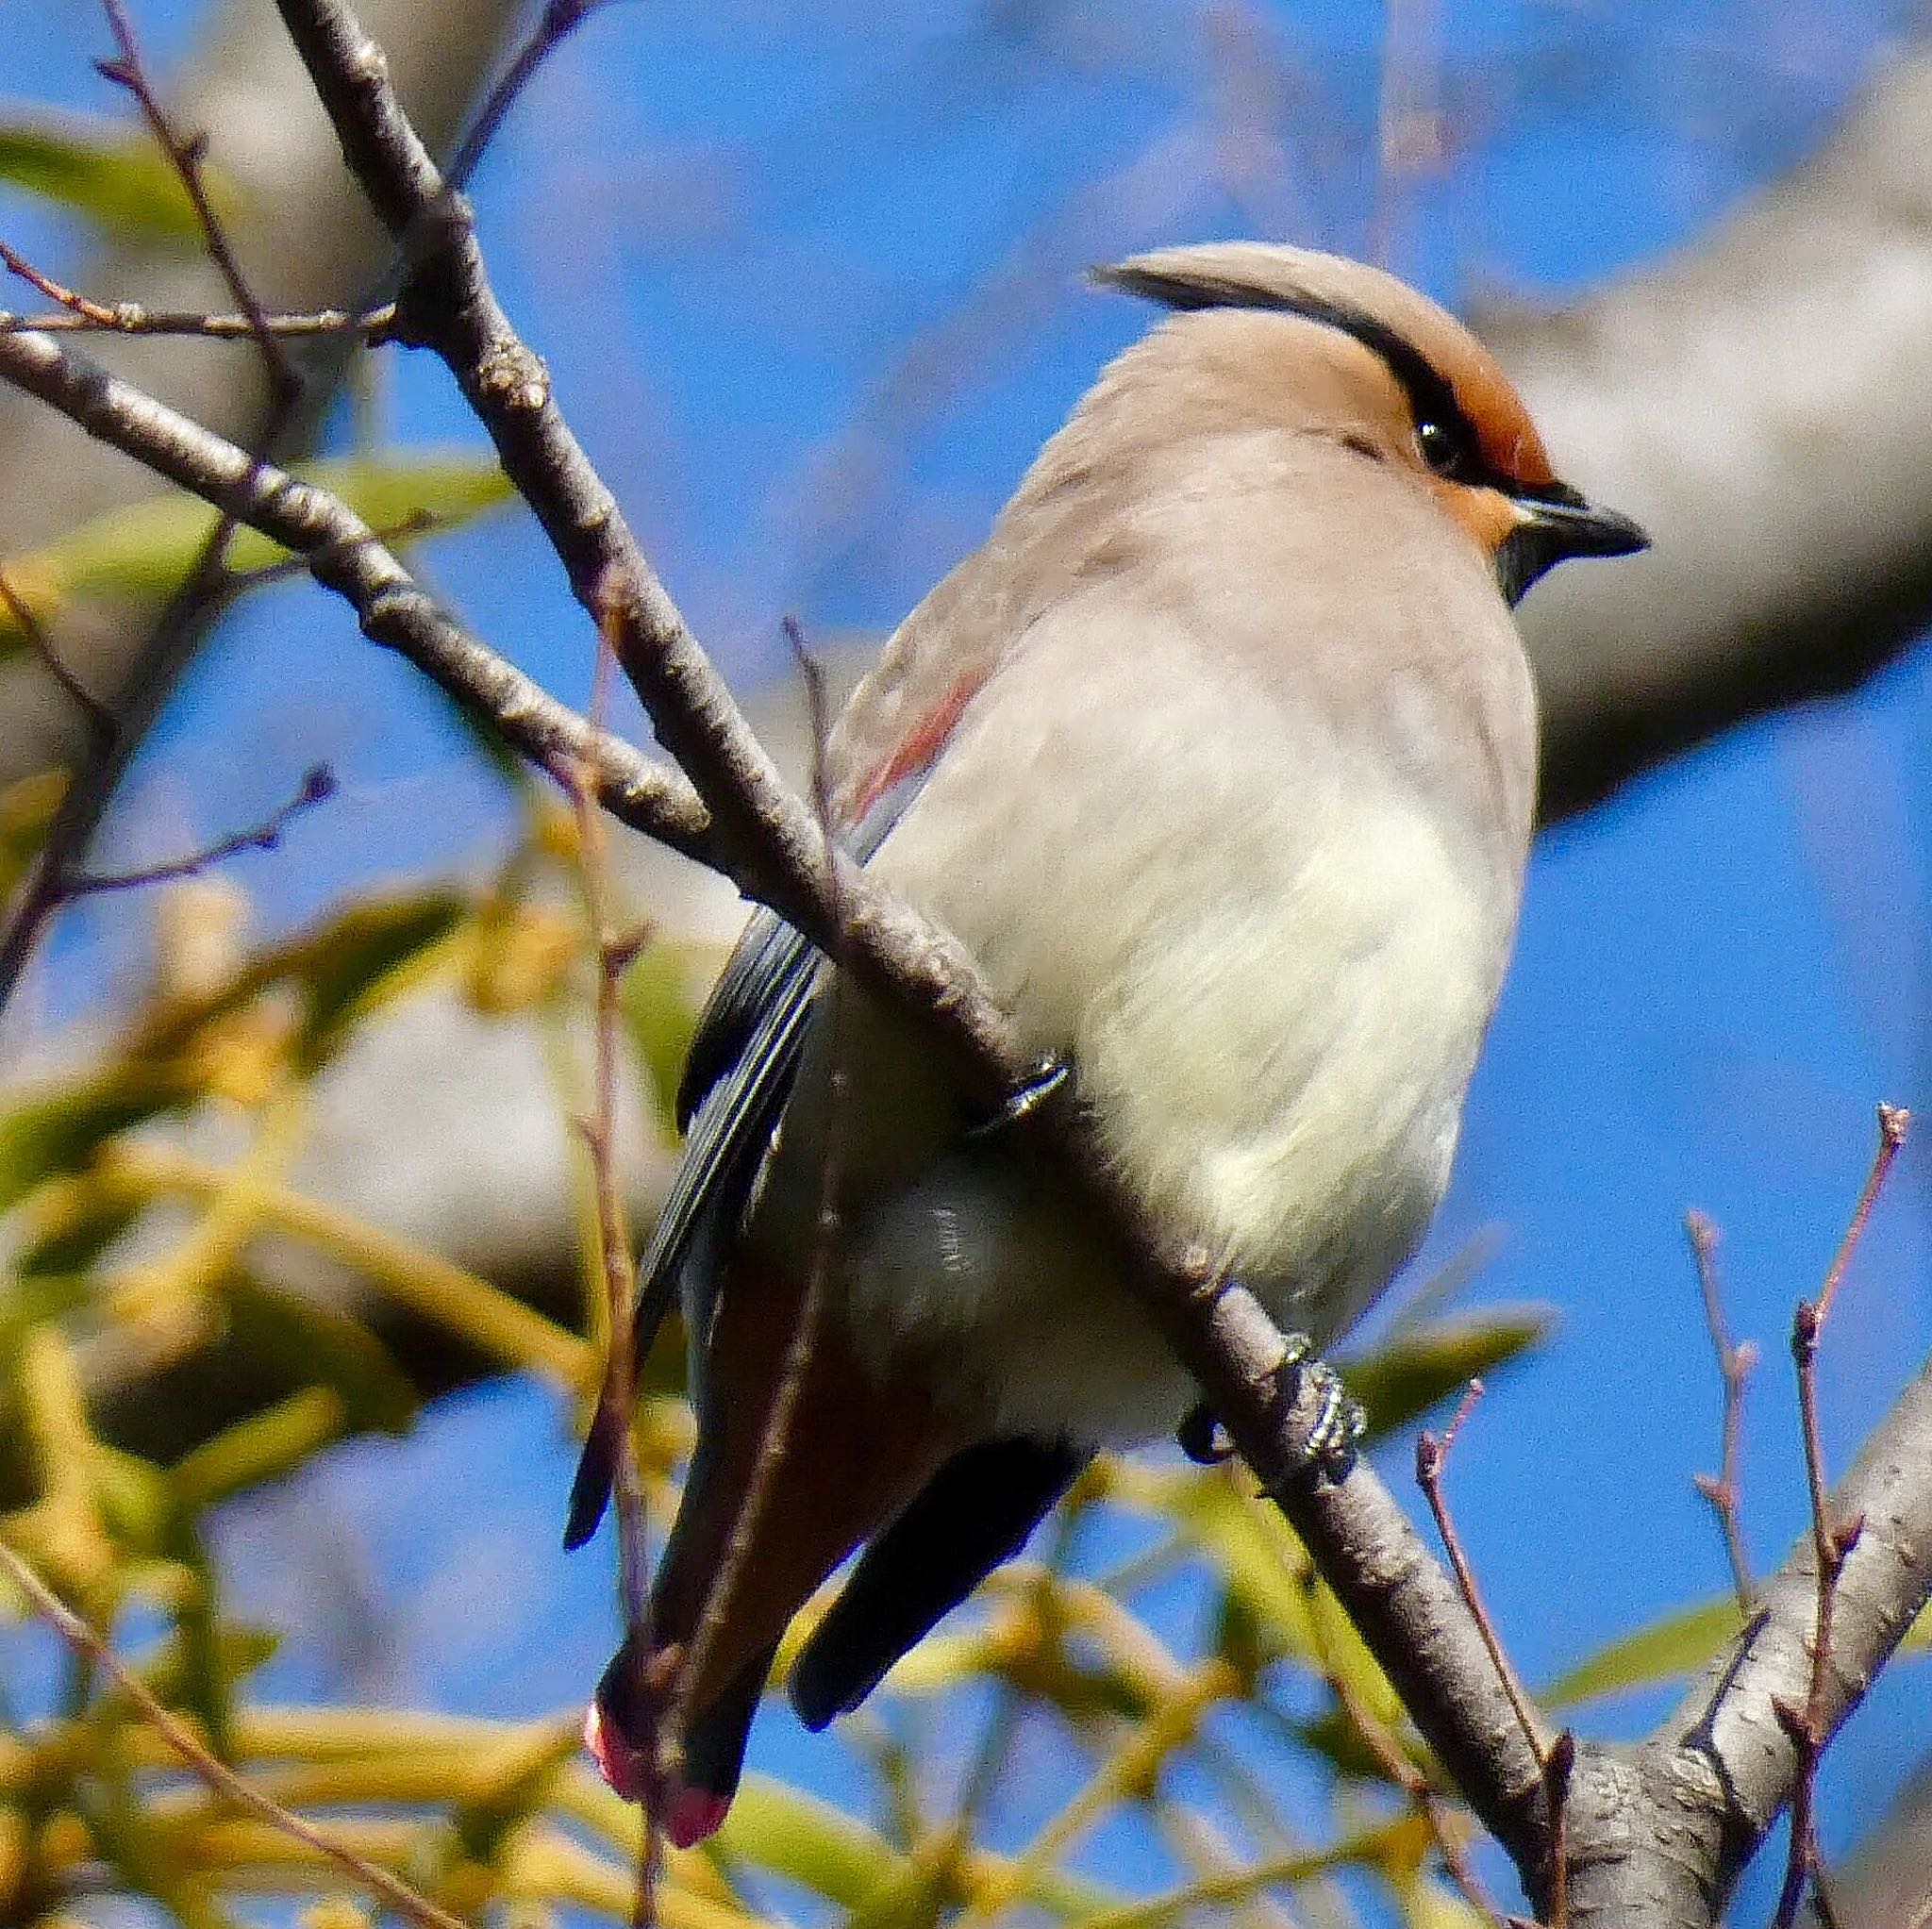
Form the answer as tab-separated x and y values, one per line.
693	1815
689	1816
624	1768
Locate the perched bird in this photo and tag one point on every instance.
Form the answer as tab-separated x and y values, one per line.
1219	758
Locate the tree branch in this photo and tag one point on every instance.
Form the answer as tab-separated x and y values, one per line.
1761	403
1656	1838
347	556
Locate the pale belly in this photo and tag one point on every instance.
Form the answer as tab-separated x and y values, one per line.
1280	1073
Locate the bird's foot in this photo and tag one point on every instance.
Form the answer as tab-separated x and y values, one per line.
1338	1424
1048	1077
1340	1420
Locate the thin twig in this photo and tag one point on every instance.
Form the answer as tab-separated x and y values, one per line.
557	22
1894	1121
158	664
79	313
1735	1363
1832	1543
616	952
1560	1758
95	714
1430	1456
133	318
1393	1759
410	528
318	785
95	1649
776	1433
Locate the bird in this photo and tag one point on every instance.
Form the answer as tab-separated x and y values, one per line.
1219	758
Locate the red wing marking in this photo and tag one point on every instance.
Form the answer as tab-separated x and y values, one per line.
920	745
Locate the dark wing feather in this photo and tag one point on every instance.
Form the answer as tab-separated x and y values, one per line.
743	1057
975	1512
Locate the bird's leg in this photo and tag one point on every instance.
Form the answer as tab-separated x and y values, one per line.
1045	1081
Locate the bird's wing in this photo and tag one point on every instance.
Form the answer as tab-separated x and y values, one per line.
973	1515
743	1057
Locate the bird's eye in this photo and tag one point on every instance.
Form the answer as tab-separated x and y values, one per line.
1441	447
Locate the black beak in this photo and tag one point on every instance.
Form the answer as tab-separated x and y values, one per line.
1559	524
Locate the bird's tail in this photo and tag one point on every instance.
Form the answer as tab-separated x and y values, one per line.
785	1483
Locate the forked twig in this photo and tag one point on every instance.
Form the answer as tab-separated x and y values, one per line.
160	662
1832	1543
187	155
1735	1363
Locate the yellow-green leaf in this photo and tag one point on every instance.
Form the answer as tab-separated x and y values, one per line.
107	171
796	1835
1424	1366
660	1017
349	968
58	1131
1665	1649
148	547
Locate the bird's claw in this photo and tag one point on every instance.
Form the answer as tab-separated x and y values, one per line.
1200	1437
1340	1420
1043	1083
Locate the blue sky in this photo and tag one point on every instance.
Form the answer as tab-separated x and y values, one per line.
807	280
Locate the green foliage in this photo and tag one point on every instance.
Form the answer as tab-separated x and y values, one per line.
148	547
108	172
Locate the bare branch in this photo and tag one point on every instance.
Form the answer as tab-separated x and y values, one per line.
1832	1541
1431	1455
1734	1364
318	785
100	721
1883	1576
188	157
